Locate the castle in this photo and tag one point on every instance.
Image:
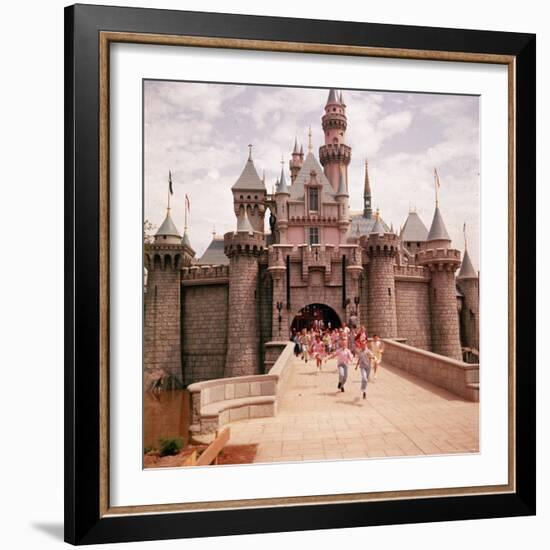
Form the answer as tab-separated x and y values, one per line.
210	317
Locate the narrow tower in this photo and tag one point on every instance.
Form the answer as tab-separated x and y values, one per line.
164	259
468	282
335	155
381	249
249	193
367	194
296	162
442	261
243	248
282	194
342	197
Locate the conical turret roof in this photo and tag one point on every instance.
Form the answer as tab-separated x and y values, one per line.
467	270
438	231
249	178
168	227
414	229
282	186
185	239
332	97
243	223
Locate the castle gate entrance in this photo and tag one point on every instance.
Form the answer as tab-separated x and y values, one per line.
315	315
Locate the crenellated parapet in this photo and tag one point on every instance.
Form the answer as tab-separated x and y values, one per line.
316	257
411	273
380	245
244	243
204	274
165	256
335	153
439	259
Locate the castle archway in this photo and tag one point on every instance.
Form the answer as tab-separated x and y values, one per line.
315	315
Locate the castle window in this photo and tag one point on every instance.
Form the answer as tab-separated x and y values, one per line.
314	199
313	235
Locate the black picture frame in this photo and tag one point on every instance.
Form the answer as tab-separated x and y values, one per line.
84	523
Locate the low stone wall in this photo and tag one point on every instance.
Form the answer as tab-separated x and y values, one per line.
217	402
459	378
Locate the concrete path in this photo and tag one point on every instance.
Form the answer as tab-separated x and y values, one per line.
402	415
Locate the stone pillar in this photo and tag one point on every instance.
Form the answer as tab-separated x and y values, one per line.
277	270
470	311
442	264
243	334
162	314
382	317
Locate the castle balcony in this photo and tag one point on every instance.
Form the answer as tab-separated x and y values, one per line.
334	120
313	218
205	275
335	152
316	256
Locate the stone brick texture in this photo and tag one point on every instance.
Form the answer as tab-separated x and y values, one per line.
469	316
204	331
243	340
444	311
413	313
381	318
161	331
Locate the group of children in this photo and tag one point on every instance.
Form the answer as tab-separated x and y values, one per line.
346	344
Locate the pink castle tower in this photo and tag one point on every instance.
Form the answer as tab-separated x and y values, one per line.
296	162
335	155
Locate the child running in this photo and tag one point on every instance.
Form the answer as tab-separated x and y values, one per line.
365	358
343	357
318	351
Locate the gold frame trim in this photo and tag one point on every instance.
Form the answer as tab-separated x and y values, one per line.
105	39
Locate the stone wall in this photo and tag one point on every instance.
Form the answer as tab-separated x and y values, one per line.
265	293
161	330
413	313
444	311
204	331
458	377
469	316
243	349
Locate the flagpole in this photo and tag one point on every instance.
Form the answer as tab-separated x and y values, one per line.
436	182
465	237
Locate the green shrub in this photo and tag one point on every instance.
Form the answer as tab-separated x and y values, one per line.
170	446
147	450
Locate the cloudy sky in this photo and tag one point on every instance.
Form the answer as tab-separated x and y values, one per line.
201	133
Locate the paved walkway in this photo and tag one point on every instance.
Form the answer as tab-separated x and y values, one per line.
402	415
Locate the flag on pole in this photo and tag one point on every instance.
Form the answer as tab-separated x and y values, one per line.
170	182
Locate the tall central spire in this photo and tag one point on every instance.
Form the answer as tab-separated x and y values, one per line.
335	155
367	194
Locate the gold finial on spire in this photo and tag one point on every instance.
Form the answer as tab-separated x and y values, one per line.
465	237
250	151
309	145
377	212
213	230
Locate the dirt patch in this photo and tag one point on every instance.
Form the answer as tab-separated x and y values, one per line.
232	454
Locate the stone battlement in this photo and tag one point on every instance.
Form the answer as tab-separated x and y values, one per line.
205	274
319	254
406	272
246	243
383	244
448	258
338	152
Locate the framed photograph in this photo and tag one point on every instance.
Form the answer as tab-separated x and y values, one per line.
299	274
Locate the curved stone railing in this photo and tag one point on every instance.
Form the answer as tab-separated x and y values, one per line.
215	403
459	378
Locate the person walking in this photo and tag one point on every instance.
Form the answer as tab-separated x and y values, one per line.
296	340
343	358
365	359
377	347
